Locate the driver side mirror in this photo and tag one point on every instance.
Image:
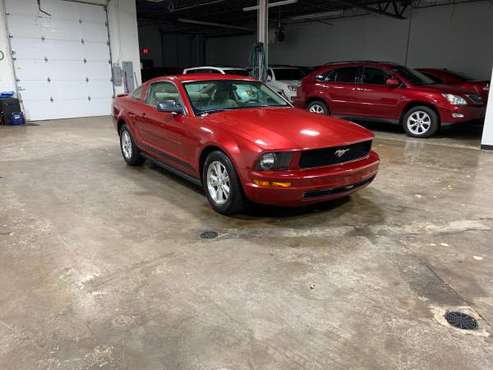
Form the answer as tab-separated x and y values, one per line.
169	106
392	83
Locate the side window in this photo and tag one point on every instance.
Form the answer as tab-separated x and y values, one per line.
162	91
375	76
329	76
192	71
136	94
347	74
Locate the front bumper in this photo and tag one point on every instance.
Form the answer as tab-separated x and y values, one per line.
312	185
461	114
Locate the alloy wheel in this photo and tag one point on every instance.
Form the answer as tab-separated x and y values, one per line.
419	123
218	182
126	143
316	108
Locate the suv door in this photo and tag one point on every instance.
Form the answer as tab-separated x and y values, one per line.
375	98
165	132
338	88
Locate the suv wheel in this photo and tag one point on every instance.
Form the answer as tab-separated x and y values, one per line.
130	152
318	107
421	122
221	184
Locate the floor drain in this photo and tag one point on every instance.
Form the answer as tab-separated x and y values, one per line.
208	235
461	320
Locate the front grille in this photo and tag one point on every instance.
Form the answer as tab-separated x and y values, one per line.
476	99
334	155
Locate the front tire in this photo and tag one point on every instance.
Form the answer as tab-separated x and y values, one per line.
421	122
221	184
318	107
130	152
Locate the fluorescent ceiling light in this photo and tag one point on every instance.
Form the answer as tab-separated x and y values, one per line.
271	5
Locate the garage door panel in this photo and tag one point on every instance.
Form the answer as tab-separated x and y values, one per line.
50	49
95	32
38	27
68	109
96	51
35	70
21	7
100	89
39	70
61	90
97	70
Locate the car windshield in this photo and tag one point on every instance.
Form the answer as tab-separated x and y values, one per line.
238	72
217	95
412	76
288	73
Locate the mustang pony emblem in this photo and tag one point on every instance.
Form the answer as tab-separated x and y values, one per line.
341	152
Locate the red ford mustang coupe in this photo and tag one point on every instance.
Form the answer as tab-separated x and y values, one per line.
240	141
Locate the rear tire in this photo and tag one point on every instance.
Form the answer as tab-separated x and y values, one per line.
130	152
318	107
421	122
222	185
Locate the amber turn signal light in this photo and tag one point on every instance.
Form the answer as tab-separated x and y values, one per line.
267	184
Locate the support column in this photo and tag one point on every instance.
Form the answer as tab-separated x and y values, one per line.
263	30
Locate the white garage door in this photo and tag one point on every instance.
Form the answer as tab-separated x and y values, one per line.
62	62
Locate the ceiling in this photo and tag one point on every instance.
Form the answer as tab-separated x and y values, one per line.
182	15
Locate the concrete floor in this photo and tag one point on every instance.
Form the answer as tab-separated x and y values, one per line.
101	265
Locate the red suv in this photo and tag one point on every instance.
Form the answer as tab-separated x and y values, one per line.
388	92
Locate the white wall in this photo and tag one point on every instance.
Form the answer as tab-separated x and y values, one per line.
122	15
458	37
124	39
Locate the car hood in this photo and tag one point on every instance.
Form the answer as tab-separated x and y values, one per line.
288	128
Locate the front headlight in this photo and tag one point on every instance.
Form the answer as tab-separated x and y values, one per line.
455	99
292	88
274	161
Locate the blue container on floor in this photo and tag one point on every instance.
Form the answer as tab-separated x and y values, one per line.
15	119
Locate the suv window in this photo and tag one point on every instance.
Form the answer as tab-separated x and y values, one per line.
329	76
136	94
162	91
375	76
347	74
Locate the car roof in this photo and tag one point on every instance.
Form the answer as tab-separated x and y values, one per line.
201	77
